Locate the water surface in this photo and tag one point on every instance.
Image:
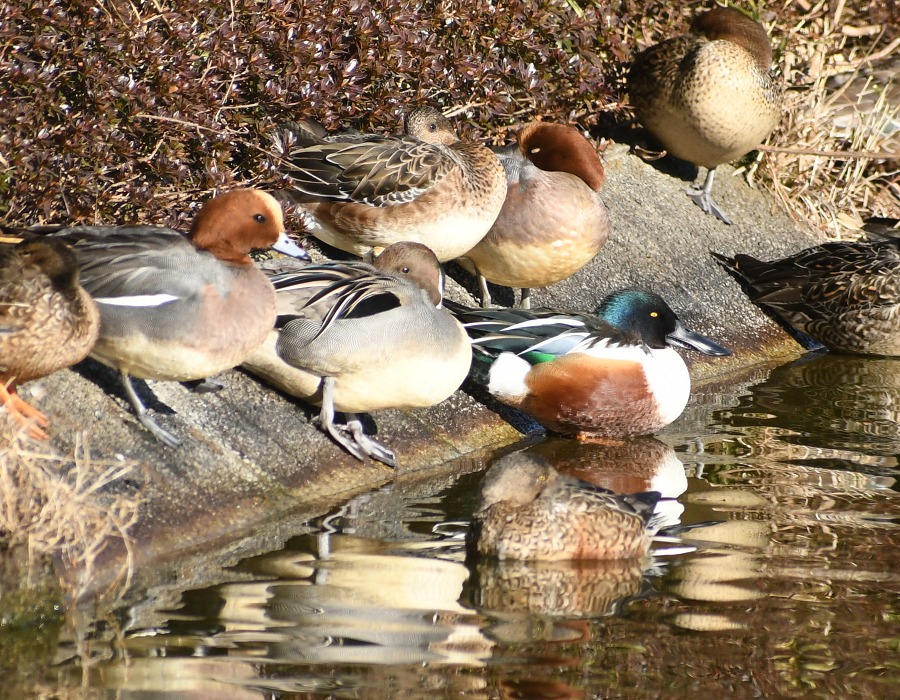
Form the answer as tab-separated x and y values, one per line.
778	578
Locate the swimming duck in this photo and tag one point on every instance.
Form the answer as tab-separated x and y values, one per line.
610	375
528	510
175	307
708	96
47	321
553	221
356	337
366	191
844	295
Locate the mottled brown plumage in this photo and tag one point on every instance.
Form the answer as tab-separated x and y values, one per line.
47	321
528	510
708	96
843	294
366	191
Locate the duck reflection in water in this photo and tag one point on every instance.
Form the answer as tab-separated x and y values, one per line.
829	401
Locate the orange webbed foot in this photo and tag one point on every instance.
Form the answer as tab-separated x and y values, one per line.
24	413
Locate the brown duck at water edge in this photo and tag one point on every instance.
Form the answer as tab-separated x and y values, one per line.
365	191
47	321
553	221
528	510
844	294
708	96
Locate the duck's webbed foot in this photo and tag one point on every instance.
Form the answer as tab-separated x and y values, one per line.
144	418
703	198
352	436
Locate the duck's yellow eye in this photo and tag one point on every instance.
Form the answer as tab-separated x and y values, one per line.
654	314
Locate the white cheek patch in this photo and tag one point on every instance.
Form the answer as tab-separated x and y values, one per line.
141	300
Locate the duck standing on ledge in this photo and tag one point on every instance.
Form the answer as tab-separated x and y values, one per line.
553	221
179	308
610	375
367	191
709	96
47	321
354	337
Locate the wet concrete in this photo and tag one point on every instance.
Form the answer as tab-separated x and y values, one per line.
250	453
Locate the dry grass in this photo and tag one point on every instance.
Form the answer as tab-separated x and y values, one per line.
835	160
60	506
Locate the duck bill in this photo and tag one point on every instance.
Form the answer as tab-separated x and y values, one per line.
286	246
683	337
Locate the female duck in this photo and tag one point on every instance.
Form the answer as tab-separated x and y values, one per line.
553	221
844	295
354	337
528	510
708	96
47	321
368	191
178	308
613	375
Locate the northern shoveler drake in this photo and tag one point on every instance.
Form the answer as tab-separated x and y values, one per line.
553	221
708	96
612	375
180	308
357	337
365	191
528	510
47	321
844	295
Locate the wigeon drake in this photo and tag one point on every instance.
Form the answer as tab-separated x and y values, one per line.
528	510
47	321
844	294
354	337
610	375
708	96
365	191
553	221
179	308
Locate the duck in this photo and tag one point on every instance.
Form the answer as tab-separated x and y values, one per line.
613	374
47	322
553	221
527	510
356	337
708	96
176	307
363	192
843	295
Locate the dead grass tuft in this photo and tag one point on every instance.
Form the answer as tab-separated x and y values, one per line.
835	160
61	506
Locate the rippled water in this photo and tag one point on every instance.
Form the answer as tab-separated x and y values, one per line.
780	578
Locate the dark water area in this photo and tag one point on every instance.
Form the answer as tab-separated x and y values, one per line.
778	576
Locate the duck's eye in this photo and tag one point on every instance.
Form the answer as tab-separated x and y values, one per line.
535	150
654	314
405	270
259	218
